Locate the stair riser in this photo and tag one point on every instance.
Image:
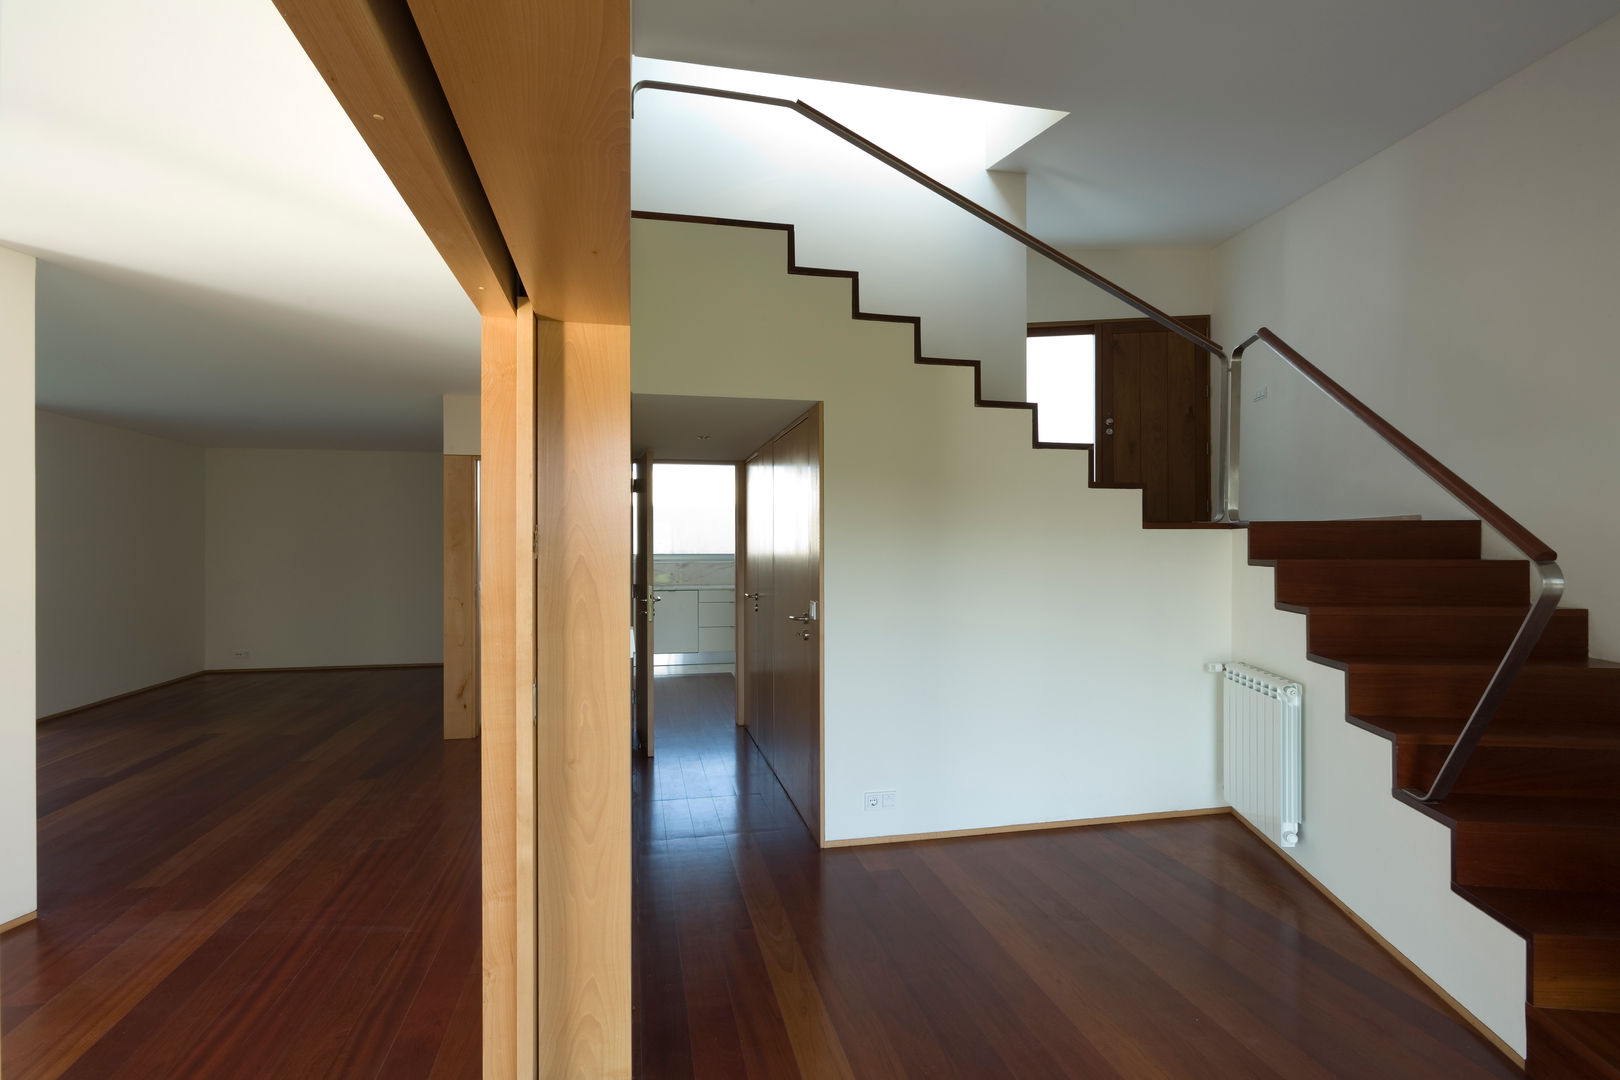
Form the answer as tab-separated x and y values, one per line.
1516	770
1351	636
1586	694
1393	583
1519	856
1575	973
1364	540
1550	1058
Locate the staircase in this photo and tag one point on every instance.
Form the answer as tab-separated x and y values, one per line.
1417	621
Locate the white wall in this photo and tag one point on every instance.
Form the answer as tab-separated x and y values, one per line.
916	253
323	558
1180	281
1462	283
461	423
1391	864
18	863
1003	645
120	575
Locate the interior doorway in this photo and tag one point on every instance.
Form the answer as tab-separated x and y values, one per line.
727	575
1140	396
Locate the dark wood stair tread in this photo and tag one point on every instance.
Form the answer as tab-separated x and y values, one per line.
1390	539
1561	732
1346	634
1533	811
1550	911
1303	584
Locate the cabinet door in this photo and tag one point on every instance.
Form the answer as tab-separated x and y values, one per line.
675	629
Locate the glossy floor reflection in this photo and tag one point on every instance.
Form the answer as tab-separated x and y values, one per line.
1161	949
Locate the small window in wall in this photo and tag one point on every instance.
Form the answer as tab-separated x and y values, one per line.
1061	377
694	509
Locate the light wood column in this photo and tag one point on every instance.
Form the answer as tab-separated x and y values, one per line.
499	616
583	732
460	596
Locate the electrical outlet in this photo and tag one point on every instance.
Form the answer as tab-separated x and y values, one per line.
881	800
239	654
1260	394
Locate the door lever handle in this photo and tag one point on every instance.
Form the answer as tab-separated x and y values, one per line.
799	618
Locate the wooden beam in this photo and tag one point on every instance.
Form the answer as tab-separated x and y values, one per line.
583	673
370	54
498	694
541	92
460	596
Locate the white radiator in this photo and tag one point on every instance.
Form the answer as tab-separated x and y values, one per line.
1263	750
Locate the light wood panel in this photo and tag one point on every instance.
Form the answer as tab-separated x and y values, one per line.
371	56
460	596
541	92
498	694
583	545
532	337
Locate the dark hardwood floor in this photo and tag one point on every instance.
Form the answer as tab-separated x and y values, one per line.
253	875
1166	949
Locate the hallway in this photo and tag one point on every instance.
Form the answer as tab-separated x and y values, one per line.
1162	949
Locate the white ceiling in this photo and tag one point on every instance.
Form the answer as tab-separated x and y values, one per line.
1189	120
677	428
236	268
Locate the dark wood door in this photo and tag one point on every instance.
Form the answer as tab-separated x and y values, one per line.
642	601
756	607
1153	407
796	577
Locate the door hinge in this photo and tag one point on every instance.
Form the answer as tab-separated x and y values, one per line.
534	702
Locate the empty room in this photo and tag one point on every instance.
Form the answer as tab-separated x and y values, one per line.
603	539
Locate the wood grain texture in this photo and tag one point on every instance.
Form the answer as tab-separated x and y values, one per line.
533	337
372	57
1158	949
584	722
460	596
498	615
1418	622
541	94
252	875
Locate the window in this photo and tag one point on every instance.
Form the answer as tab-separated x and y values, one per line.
694	509
1061	377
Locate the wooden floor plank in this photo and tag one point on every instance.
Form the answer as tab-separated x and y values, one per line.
1170	949
252	875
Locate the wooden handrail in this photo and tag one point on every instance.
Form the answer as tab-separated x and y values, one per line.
1464	492
989	217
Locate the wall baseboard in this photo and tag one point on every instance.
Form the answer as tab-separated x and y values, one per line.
1399	957
317	667
21	920
117	697
226	671
1030	826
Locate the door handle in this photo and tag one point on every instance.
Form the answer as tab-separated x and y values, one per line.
800	618
750	596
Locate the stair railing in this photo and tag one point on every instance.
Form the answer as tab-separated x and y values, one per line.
999	223
1549	577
